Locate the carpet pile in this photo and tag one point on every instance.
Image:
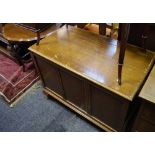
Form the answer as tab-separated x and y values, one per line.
34	112
13	81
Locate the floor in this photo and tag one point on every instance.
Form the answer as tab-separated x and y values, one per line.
34	112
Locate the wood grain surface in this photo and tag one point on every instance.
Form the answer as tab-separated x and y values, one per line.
13	32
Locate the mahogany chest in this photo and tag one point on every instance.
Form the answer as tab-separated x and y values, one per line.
79	69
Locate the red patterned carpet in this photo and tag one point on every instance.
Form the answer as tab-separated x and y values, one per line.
13	81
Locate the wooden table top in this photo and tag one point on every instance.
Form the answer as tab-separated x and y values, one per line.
95	57
148	90
13	32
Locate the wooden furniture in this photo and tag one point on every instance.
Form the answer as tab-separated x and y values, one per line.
145	120
18	36
3	44
15	33
142	35
36	28
79	69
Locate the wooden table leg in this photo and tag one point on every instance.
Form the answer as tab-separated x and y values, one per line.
124	37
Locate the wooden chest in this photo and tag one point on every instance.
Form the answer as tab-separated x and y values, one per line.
79	69
145	120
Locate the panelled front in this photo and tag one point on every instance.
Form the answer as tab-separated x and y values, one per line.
145	121
144	126
74	89
108	109
148	111
50	75
85	95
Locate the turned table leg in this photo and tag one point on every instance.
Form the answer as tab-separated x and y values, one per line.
124	37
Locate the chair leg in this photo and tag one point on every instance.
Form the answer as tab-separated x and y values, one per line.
102	28
38	38
124	37
81	25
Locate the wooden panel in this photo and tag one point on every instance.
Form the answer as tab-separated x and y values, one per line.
72	106
74	89
50	75
145	120
95	57
151	38
136	32
148	112
108	109
145	126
